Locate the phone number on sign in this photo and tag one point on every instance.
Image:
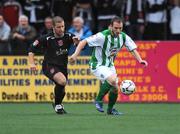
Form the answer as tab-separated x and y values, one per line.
148	97
81	96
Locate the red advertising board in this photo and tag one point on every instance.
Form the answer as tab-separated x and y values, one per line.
160	81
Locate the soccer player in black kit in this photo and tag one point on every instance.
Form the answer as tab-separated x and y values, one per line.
55	47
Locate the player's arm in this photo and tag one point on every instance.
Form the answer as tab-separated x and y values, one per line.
31	61
80	46
31	54
131	46
138	57
93	41
32	50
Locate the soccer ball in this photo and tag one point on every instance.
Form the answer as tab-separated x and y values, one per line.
127	87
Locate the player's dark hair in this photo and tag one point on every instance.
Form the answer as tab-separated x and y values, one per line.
57	19
116	19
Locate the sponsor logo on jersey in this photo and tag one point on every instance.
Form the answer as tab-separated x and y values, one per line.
61	51
113	51
102	76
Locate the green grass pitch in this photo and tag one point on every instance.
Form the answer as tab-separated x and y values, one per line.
37	118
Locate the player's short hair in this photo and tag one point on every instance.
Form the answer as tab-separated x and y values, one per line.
57	19
116	19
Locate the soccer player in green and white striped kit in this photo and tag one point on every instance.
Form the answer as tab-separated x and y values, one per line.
106	45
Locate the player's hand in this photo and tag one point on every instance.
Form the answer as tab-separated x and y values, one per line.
33	67
76	40
72	59
143	62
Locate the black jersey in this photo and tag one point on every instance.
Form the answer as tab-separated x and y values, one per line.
55	49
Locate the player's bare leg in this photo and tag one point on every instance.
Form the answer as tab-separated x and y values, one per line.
60	78
113	81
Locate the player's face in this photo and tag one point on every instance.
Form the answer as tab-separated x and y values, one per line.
59	28
117	28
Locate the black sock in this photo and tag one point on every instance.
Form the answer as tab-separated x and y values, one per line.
62	95
59	92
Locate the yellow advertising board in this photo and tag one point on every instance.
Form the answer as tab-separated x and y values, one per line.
19	84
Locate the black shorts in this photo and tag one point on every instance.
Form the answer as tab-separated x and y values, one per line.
50	70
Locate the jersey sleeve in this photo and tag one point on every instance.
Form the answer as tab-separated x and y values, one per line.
129	43
96	40
71	38
38	44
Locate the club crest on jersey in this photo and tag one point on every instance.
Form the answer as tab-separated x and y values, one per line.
102	76
60	42
52	70
35	43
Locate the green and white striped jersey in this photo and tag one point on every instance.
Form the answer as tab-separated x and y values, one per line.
106	47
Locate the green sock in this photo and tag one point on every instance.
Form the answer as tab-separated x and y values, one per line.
112	99
104	88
